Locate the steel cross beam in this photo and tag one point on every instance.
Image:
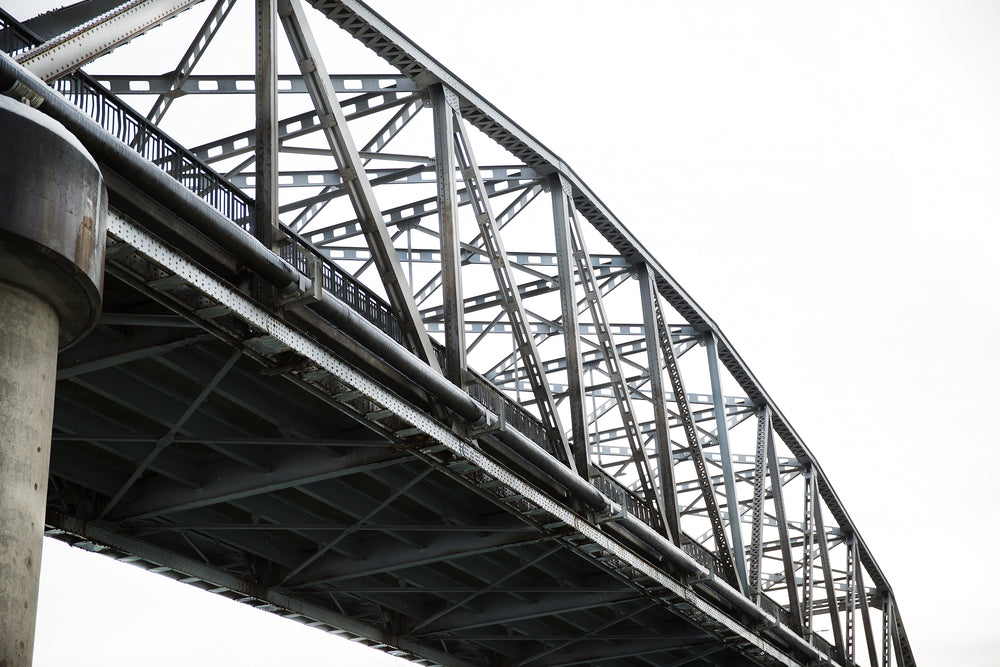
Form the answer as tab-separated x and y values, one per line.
352	171
381	138
168	437
360	522
471	596
243	84
182	73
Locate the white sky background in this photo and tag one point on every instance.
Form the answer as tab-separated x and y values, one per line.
823	179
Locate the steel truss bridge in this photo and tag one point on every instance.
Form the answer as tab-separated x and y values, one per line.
373	358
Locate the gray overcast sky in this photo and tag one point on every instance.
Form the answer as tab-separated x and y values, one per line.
822	179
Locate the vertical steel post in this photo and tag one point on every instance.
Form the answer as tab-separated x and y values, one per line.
732	501
558	187
887	632
807	554
266	135
445	108
759	473
865	614
654	356
850	601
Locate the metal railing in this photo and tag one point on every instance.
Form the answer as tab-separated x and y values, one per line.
14	38
514	414
634	504
340	284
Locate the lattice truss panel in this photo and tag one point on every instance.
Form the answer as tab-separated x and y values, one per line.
500	269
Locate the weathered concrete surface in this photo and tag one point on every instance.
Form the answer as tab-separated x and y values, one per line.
53	206
29	334
53	209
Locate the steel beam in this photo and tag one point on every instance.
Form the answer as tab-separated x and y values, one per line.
722	547
167	439
850	601
88	42
54	23
570	323
778	498
445	108
809	534
865	614
156	498
266	225
509	612
510	295
441	549
623	395
352	171
658	395
176	79
759	473
722	432
831	593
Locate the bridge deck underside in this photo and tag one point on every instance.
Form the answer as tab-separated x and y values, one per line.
260	476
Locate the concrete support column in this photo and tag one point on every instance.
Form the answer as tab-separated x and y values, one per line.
29	336
53	206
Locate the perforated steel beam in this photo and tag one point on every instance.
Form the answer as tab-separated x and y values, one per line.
84	44
667	485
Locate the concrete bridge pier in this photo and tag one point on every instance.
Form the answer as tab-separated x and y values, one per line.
53	206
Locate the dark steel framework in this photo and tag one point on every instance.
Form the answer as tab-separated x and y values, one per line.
397	394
